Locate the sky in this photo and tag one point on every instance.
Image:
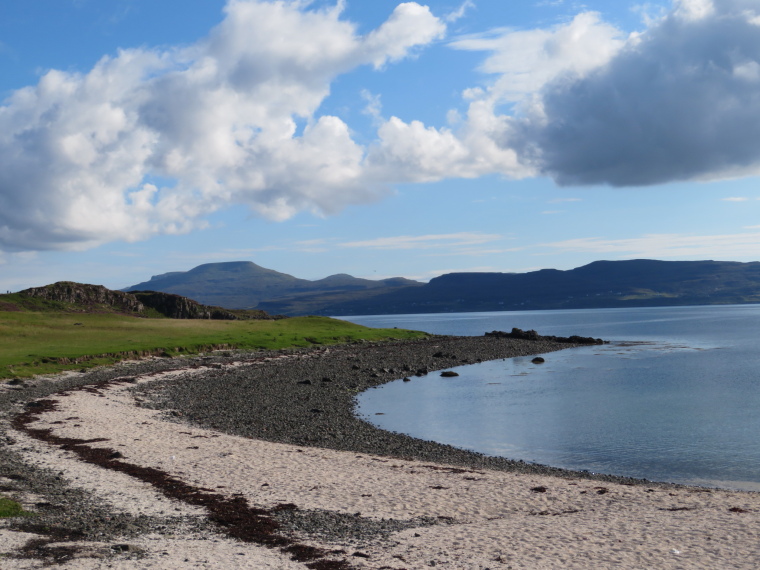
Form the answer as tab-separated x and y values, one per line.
377	139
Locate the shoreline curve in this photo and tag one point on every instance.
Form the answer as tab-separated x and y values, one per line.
298	406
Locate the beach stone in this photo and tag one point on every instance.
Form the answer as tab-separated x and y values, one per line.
249	400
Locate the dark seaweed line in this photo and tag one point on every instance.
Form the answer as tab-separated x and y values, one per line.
233	515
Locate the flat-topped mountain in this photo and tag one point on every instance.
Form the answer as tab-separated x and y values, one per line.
243	284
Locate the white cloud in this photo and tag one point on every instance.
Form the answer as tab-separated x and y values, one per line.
676	102
735	199
430	241
650	13
374	107
410	25
694	9
218	118
587	104
483	142
234	118
314	245
663	246
416	153
526	60
459	13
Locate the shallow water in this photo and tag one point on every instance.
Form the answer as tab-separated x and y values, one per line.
681	406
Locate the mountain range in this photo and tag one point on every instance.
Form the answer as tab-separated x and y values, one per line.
628	283
245	285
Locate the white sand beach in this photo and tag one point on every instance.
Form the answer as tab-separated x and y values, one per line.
488	519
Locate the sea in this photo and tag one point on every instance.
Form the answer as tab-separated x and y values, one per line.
674	396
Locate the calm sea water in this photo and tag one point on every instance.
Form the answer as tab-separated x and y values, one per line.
675	397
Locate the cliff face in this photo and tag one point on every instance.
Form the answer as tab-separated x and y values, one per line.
88	296
98	298
177	307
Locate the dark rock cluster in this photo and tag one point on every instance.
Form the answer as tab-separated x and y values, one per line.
93	297
86	296
178	307
533	335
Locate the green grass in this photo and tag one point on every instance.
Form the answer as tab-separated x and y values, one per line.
45	342
9	508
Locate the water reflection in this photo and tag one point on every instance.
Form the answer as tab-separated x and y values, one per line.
680	406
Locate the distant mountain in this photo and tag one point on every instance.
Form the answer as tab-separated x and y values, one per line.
244	285
632	283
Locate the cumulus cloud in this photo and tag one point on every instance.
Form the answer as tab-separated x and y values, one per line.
526	60
680	101
150	141
587	104
490	138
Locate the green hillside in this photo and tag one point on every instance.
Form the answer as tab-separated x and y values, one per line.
39	336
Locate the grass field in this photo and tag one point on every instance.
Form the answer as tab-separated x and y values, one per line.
46	342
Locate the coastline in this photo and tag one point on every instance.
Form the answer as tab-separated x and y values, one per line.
301	402
310	400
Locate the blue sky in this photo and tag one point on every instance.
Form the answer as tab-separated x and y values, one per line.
374	138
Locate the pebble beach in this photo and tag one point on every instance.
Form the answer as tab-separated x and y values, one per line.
255	460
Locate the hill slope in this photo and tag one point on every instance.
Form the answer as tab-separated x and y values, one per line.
633	283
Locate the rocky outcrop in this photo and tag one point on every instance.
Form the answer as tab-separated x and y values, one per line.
178	307
96	298
533	335
88	296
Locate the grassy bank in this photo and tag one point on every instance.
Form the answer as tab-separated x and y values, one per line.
47	342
